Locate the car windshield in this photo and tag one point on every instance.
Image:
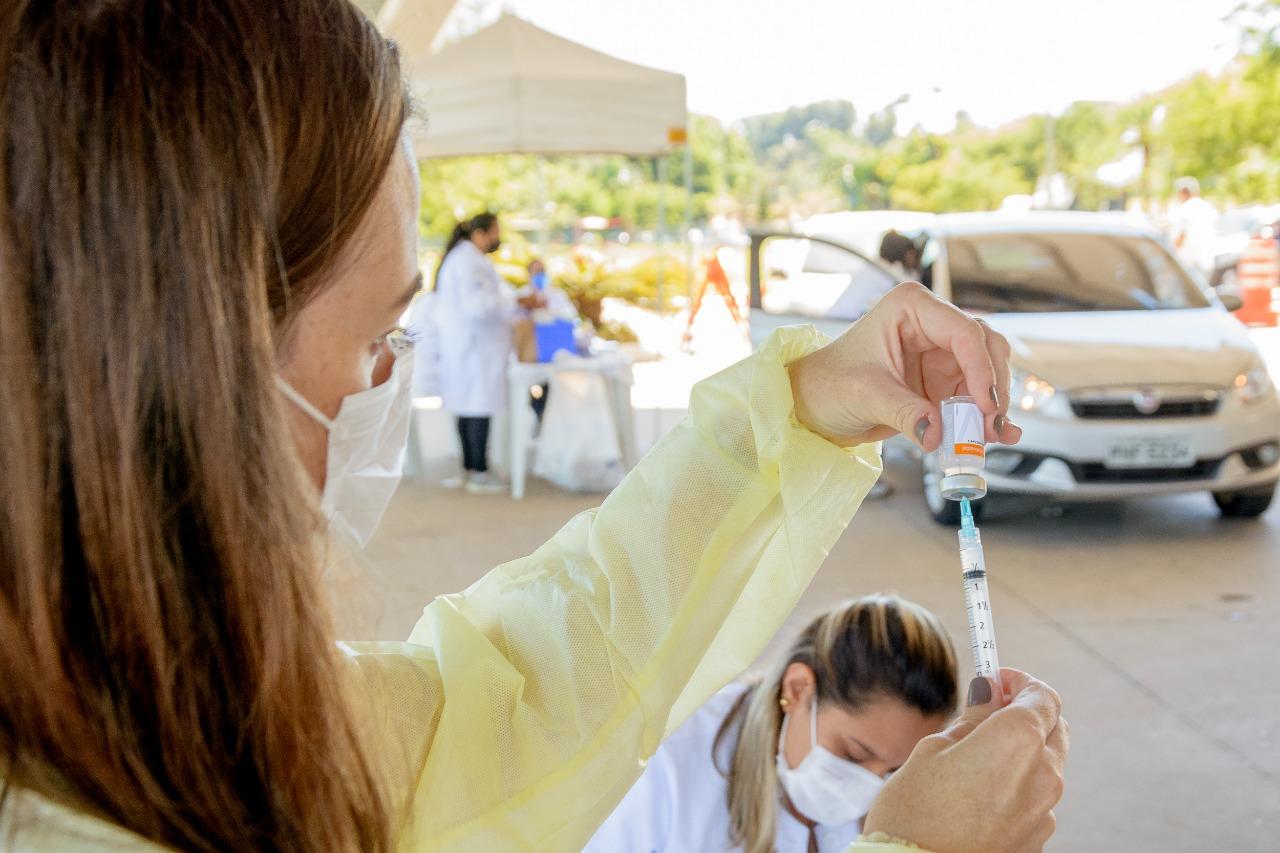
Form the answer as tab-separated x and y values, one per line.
1024	272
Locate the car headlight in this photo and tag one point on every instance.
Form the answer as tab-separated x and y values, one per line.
1029	392
1253	385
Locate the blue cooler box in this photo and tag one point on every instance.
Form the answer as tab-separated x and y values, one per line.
553	337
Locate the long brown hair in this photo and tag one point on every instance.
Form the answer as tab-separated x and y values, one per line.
868	648
177	179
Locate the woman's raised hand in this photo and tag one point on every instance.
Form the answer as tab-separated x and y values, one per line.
890	371
988	784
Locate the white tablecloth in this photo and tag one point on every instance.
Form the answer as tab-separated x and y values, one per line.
517	427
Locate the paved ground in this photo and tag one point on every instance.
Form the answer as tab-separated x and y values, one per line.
1159	624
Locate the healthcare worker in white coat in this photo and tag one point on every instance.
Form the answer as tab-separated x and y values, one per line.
791	762
474	312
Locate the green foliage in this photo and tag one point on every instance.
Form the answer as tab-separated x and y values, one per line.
588	278
816	158
616	330
767	131
725	178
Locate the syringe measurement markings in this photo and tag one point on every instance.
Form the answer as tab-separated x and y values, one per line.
981	636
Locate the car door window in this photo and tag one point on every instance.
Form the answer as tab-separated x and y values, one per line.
810	279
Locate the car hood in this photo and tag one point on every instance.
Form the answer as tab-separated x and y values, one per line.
1089	349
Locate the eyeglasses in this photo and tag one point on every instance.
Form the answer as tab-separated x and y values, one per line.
400	340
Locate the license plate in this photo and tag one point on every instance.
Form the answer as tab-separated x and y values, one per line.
1151	453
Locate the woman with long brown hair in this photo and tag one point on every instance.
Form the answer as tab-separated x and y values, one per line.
207	223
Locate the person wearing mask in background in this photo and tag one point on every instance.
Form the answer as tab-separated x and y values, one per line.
1193	223
791	762
558	303
172	482
474	311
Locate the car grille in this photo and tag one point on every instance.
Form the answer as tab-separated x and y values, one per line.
1096	472
1124	406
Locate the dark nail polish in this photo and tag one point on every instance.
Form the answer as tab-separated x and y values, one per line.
922	426
999	424
995	398
979	691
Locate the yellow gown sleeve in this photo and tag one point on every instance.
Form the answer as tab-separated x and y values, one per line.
522	709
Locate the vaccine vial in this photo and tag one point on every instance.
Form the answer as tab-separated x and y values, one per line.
963	453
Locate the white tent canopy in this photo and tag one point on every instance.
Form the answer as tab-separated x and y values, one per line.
515	88
412	24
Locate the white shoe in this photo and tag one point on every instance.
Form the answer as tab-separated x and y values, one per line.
457	482
486	484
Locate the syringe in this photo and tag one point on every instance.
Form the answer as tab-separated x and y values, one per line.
977	599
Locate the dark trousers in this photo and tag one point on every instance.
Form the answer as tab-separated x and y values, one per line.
474	433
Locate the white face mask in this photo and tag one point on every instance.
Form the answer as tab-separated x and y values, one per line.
366	448
825	788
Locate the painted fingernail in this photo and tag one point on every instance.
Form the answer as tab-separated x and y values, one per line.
995	398
922	426
979	691
1011	430
999	424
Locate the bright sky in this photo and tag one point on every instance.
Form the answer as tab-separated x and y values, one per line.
998	59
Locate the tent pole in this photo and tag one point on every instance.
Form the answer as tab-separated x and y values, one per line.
662	228
688	218
544	232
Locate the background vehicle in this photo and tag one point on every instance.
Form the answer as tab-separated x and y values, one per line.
1129	380
861	230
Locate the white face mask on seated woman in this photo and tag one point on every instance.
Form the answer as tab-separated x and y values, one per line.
823	787
367	441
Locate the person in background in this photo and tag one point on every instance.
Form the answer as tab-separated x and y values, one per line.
474	312
791	762
901	254
1192	223
538	278
557	301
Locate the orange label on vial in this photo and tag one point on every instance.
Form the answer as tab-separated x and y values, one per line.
970	450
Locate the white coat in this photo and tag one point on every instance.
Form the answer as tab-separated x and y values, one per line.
473	311
679	803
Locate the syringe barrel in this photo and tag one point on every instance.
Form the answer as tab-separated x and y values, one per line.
977	599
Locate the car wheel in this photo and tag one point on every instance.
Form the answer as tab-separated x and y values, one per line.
1249	503
940	509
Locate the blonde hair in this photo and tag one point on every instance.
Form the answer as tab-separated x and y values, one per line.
869	648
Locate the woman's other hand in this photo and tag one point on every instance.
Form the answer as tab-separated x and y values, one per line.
890	371
988	784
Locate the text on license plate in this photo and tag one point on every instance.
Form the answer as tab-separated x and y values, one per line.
1151	453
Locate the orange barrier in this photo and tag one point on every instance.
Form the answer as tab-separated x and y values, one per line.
1258	273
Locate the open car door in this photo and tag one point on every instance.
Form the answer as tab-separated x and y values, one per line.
798	279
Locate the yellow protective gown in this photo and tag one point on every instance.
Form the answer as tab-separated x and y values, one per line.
521	710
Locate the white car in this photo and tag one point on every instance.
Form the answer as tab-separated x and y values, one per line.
1129	379
861	230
